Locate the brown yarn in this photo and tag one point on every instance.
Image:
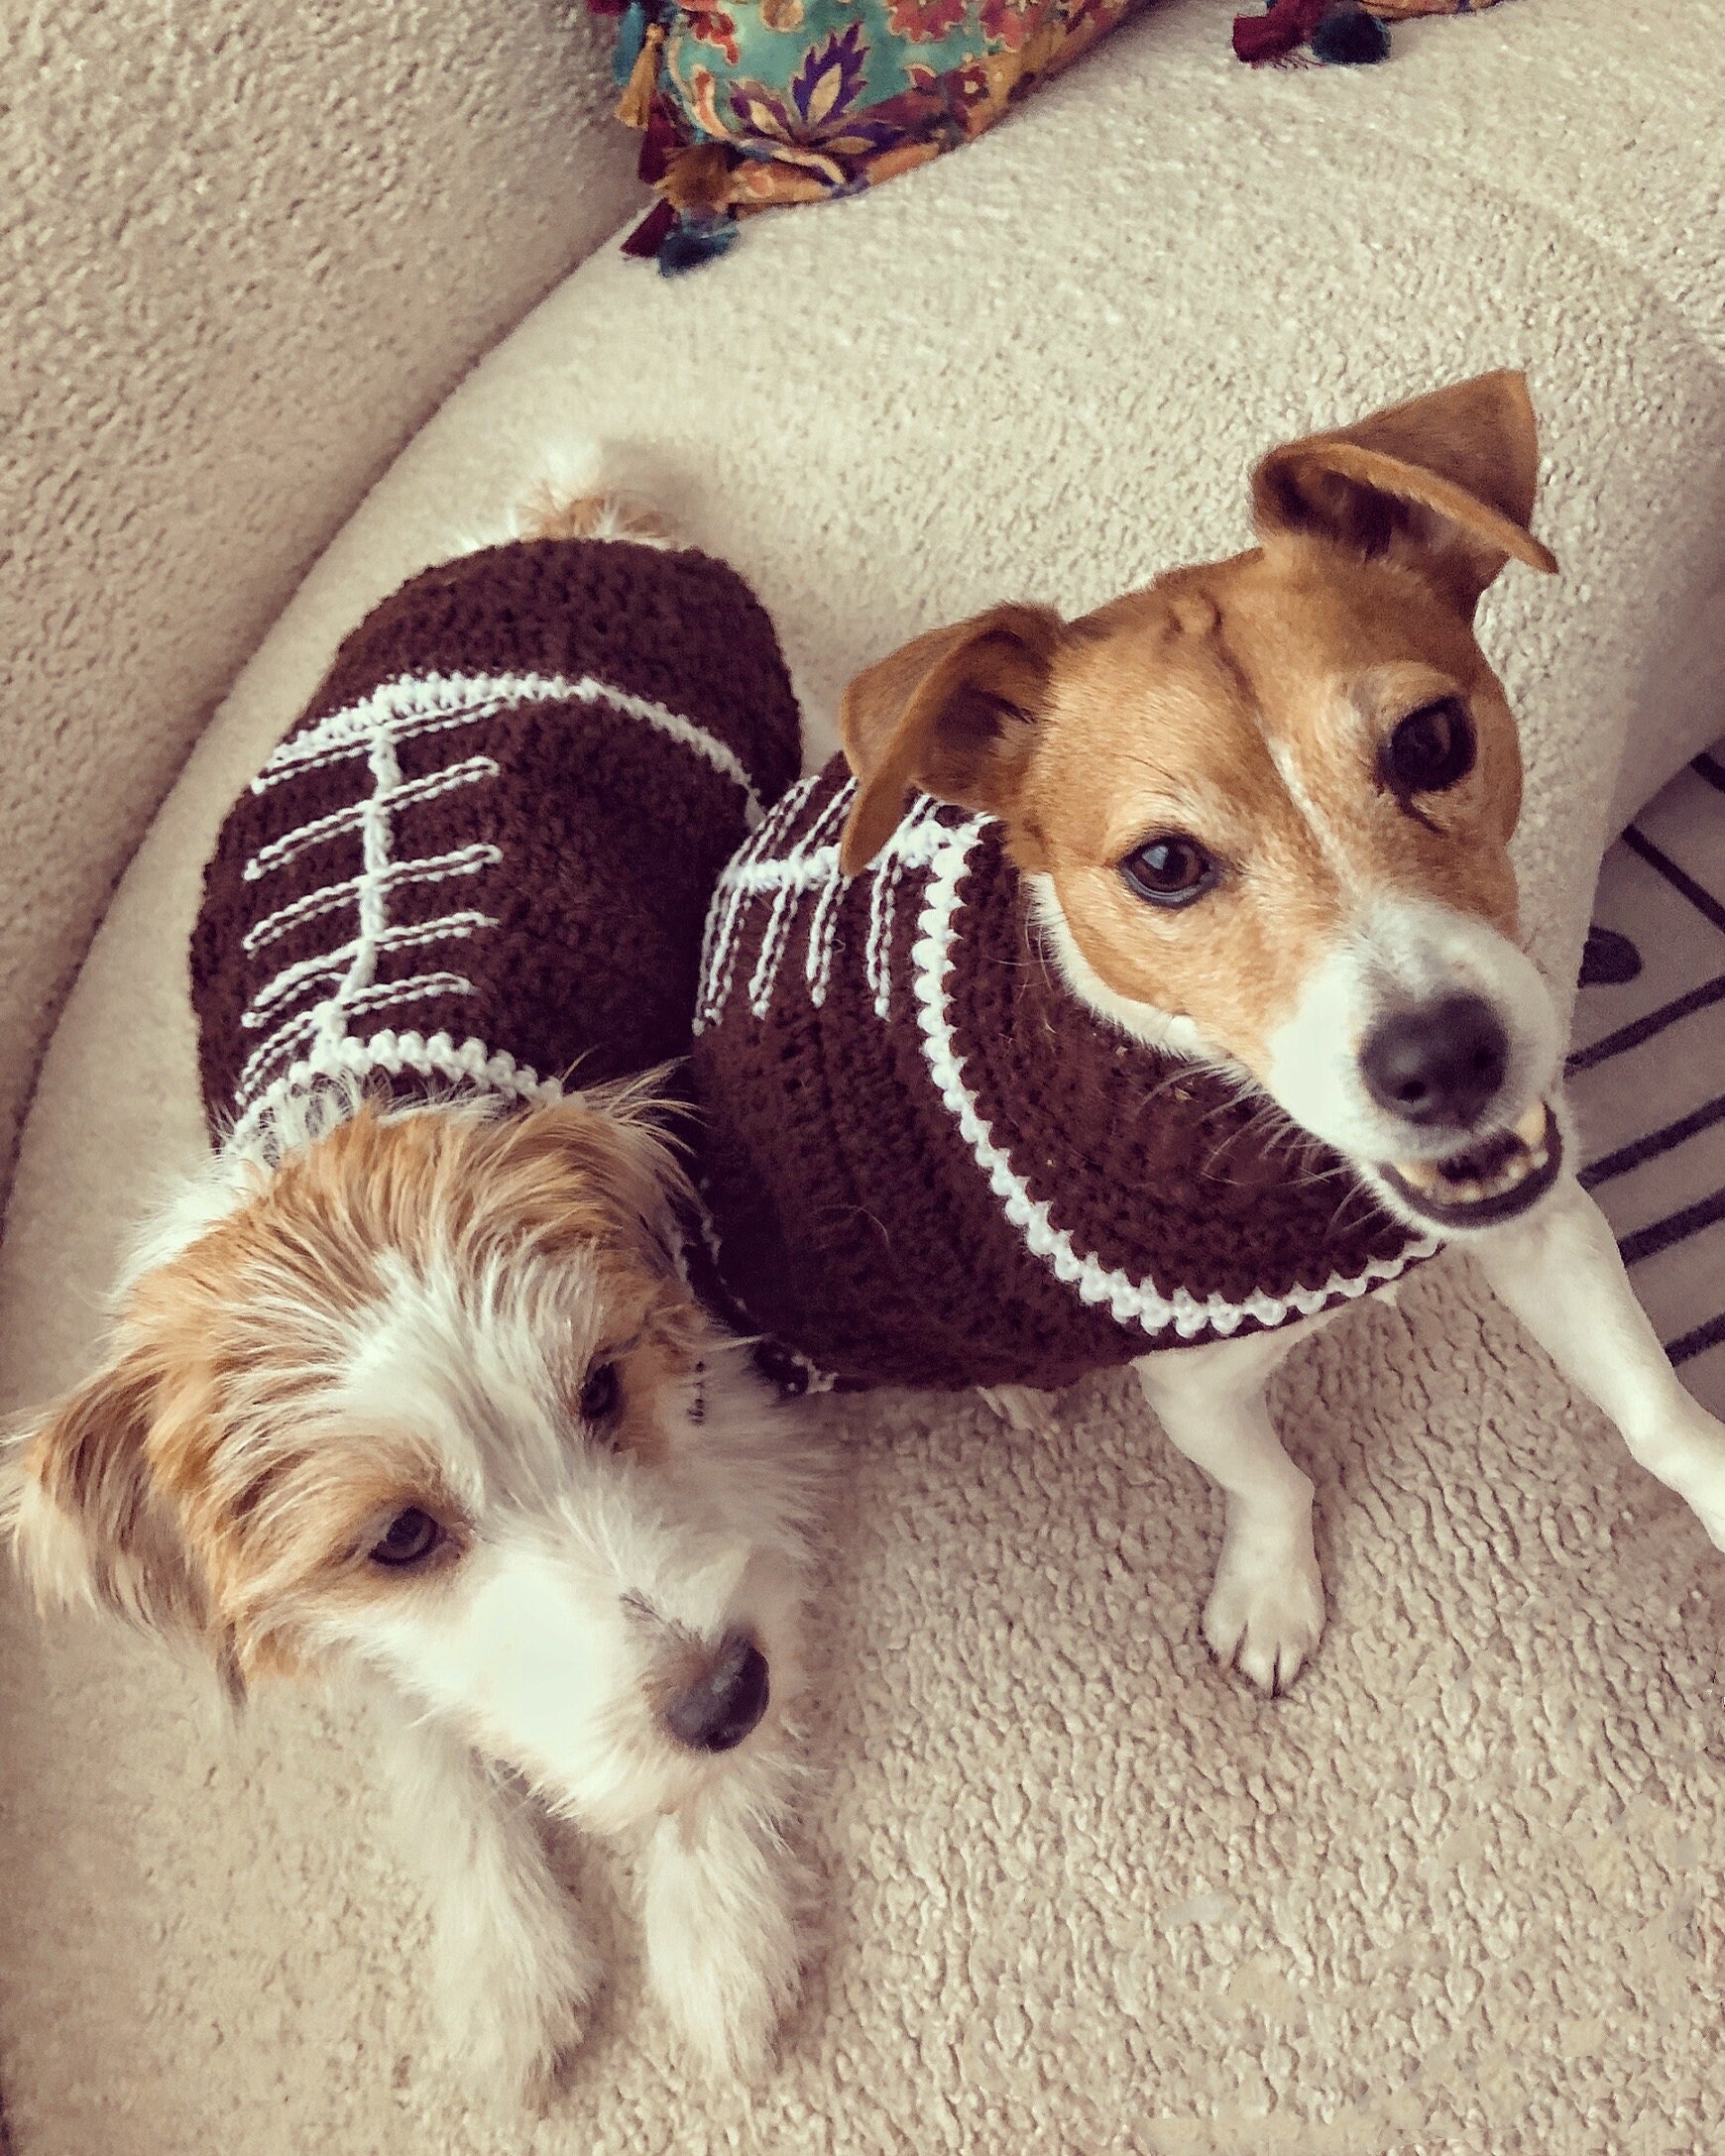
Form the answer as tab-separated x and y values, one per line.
609	834
852	1220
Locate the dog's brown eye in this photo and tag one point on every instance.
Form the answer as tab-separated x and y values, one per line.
410	1539
1430	749
601	1393
1171	871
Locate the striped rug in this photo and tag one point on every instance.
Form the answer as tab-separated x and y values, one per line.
1648	1072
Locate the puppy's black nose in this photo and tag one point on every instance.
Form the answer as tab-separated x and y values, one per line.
722	1706
1439	1062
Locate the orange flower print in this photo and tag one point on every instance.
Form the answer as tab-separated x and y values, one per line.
924	21
711	26
1008	23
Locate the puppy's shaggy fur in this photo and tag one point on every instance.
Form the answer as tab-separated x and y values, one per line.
414	1388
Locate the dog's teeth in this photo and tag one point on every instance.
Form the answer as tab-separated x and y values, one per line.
1530	1130
1423	1175
1465	1194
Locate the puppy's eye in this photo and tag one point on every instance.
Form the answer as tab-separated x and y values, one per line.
410	1539
600	1394
1430	749
1171	871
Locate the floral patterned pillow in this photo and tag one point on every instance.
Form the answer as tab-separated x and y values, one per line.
748	103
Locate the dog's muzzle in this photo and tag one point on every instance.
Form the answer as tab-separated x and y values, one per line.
1494	1179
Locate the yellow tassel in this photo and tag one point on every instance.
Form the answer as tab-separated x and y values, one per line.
634	106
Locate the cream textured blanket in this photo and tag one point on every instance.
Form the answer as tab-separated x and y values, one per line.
1459	1893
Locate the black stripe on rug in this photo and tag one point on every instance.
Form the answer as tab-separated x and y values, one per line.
1688	1345
1675	1227
1653	1145
1643	1029
1680	880
1710	768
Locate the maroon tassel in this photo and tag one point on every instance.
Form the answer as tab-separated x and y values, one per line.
1288	26
645	242
658	146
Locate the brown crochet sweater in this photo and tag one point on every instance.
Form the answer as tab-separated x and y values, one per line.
482	859
926	1162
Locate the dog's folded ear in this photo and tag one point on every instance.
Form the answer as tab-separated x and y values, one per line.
601	1166
1444	485
79	1502
952	714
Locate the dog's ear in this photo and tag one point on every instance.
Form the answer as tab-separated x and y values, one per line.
80	1504
952	714
602	1164
1444	483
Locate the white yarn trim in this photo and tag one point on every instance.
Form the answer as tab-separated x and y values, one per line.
375	727
359	814
719	941
782	918
809	864
401	937
422	703
349	1061
1131	1302
466	861
327	1020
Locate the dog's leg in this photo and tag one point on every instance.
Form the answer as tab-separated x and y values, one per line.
511	1972
1561	1273
1265	1613
724	1946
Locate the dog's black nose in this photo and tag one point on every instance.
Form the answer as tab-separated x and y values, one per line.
722	1706
1439	1062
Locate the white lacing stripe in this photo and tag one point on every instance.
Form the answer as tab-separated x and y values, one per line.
782	918
810	864
327	1019
1131	1302
421	703
719	941
466	861
404	936
913	845
350	1061
361	815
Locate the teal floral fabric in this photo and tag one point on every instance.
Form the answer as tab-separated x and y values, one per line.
756	102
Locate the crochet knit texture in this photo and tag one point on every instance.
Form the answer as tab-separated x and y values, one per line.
927	1163
482	859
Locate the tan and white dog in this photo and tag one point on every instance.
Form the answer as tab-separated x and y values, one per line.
1265	808
406	1380
1146	987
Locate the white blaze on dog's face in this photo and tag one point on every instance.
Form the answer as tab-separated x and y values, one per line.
432	1397
1266	805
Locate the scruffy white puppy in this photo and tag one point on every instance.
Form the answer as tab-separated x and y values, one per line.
408	1381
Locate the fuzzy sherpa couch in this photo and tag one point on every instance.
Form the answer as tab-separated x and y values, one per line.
1462	1890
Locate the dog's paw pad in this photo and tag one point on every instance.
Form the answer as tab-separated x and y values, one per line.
1265	1621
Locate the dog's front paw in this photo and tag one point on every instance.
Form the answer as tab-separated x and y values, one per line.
724	1952
511	2022
1265	1613
726	2007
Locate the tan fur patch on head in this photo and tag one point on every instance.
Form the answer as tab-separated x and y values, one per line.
1246	707
549	516
201	1482
1243	705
